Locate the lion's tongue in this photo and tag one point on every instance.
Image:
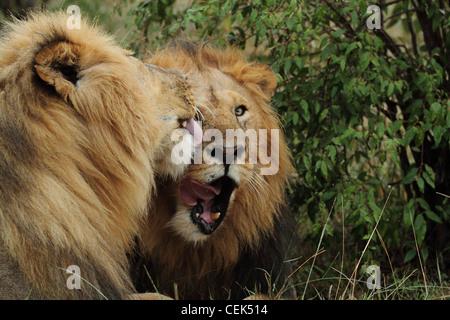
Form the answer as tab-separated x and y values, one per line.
193	192
195	130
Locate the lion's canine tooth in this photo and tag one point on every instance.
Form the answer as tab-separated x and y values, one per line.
215	215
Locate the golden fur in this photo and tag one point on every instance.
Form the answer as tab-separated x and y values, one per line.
84	129
205	266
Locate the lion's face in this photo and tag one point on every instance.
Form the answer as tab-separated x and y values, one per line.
233	147
207	189
170	100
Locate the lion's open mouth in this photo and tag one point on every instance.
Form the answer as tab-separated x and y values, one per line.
209	202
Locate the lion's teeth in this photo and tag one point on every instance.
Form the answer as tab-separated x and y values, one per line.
215	216
184	124
197	215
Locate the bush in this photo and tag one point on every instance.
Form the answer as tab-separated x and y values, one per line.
366	110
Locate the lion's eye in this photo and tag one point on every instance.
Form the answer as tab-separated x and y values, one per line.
240	110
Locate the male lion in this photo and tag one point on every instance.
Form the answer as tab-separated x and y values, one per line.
223	227
84	129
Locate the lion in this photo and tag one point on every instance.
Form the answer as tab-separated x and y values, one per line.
222	230
85	131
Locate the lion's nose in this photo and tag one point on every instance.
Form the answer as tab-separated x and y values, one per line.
218	154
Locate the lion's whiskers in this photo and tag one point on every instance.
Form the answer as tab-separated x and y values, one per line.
200	101
259	176
254	184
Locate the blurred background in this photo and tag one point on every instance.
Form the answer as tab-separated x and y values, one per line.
364	100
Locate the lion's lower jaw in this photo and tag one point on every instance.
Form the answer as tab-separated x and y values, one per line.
182	224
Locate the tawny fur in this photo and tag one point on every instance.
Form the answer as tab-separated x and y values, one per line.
83	127
221	80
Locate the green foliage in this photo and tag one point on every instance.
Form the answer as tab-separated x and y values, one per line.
364	110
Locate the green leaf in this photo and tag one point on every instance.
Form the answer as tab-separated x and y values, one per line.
323	168
409	136
396	125
354	18
410	176
433	216
299	62
253	15
430	171
410	255
332	152
435	109
338	33
318	163
174	27
438	132
420	228
305	114
376	209
421	184
307	162
408	213
342	64
364	61
323	115
390	89
326	52
327	195
428	179
239	18
380	130
347	133
423	204
350	48
287	66
295	118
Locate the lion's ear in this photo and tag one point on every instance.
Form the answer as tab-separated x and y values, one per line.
268	80
57	65
261	75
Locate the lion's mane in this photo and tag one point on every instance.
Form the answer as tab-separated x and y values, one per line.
75	159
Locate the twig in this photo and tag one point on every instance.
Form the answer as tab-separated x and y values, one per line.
278	295
403	281
343	247
419	256
384	5
387	254
367	244
318	246
441	194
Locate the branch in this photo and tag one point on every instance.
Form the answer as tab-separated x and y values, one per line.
387	4
413	36
390	44
346	24
432	39
398	14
